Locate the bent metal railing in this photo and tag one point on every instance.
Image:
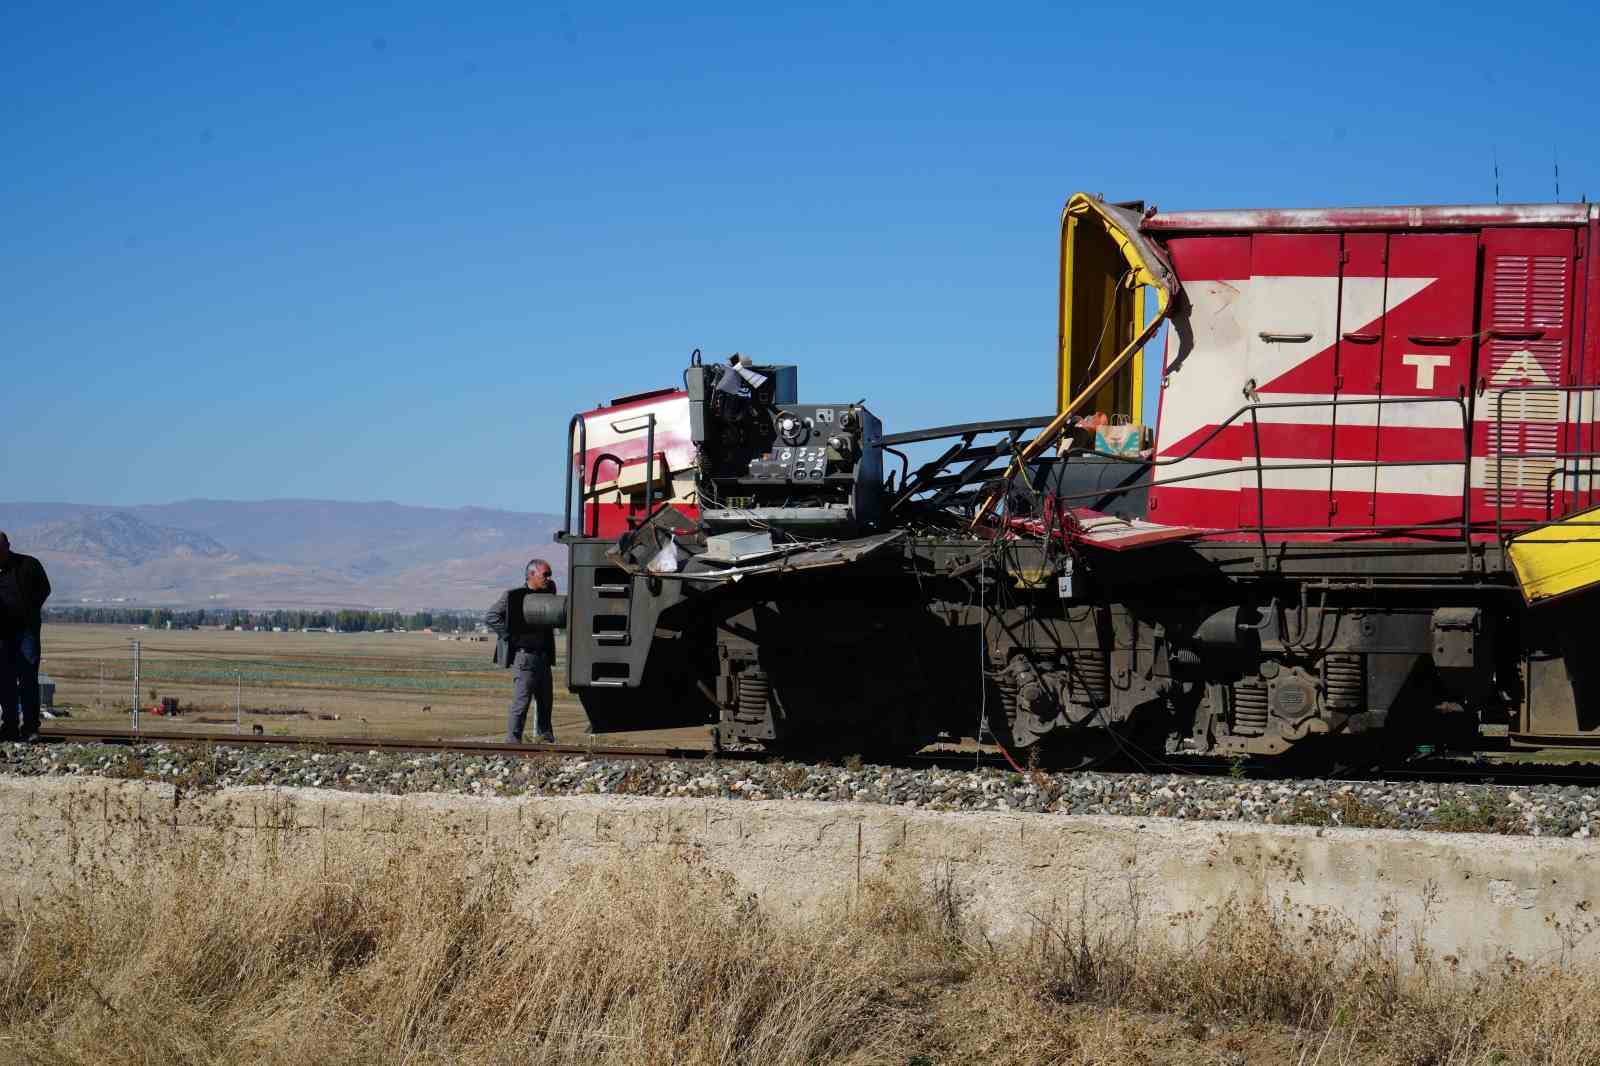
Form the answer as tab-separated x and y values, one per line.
977	459
931	476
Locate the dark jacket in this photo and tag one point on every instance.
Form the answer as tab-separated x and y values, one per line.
23	590
504	619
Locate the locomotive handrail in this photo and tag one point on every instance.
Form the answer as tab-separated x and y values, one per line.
594	479
1261	481
1496	448
650	464
1560	470
1257	466
999	425
581	425
978	462
930	481
905	463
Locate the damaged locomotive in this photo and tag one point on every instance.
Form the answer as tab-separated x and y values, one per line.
1362	511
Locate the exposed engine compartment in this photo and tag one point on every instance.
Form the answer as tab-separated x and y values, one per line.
764	458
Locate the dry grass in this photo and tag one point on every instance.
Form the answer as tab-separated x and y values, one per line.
412	959
420	956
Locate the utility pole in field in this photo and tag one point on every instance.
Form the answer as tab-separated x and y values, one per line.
238	702
136	686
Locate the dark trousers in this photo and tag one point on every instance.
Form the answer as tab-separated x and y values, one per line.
19	683
532	678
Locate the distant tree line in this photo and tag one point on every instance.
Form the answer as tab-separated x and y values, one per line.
345	621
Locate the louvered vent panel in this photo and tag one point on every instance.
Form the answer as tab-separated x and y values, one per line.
1529	296
1509	366
1510	309
1523	447
1547	303
1530	292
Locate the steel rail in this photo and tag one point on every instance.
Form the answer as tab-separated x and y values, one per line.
57	734
1440	769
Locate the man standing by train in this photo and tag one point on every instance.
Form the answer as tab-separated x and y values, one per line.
23	590
529	650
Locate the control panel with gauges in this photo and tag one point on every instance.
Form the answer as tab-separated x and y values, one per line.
811	468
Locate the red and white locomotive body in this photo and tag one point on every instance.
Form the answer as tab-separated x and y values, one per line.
1397	372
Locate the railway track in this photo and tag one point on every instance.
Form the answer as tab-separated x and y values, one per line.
950	758
1441	769
453	747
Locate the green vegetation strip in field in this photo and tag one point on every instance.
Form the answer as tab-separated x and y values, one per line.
386	663
371	676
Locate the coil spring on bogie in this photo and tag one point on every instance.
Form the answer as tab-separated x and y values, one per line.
1089	681
1005	687
754	693
1345	682
1249	707
1000	705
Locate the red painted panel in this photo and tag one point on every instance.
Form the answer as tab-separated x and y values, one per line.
1285	441
1183	504
1528	319
1305	255
1210	258
1427	352
1437	322
1291	336
1204	370
1358	375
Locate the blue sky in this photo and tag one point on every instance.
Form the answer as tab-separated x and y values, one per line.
385	252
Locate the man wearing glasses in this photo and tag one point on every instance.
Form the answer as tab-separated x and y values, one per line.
529	650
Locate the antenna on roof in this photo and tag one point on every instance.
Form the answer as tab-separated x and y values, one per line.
1494	154
1555	161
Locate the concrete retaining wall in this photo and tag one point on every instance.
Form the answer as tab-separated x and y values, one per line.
1475	897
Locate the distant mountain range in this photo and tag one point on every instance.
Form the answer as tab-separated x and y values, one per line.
266	554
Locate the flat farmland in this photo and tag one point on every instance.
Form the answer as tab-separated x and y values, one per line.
384	685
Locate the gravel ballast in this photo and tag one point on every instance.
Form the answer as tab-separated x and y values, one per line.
1537	810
